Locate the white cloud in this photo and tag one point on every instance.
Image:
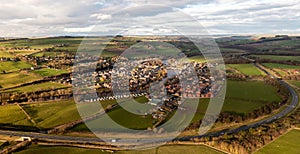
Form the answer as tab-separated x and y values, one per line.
101	16
82	29
68	17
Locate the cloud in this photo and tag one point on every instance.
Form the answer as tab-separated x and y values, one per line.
75	30
100	16
68	17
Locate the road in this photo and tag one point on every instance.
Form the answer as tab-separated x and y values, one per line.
284	112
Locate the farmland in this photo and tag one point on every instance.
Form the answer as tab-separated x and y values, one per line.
246	69
12	115
197	59
295	83
49	72
38	87
17	78
242	97
37	149
13	66
51	114
6	54
279	58
287	143
280	66
122	117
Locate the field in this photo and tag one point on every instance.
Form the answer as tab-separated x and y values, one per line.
197	59
246	69
280	66
46	114
6	54
12	115
38	87
242	97
46	54
248	90
295	83
167	149
17	78
120	116
22	52
49	72
38	149
13	66
51	114
286	144
279	58
40	43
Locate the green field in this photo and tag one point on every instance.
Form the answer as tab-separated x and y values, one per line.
295	83
38	87
17	78
279	58
6	54
51	114
120	116
46	54
242	97
13	66
38	149
197	59
285	144
166	149
247	69
251	91
280	66
41	42
49	72
12	115
23	52
46	114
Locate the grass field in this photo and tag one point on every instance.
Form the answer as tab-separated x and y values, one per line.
38	149
286	144
295	83
280	66
46	54
23	52
242	97
38	87
197	59
167	149
11	114
51	114
251	90
247	69
13	66
279	58
6	54
49	72
17	78
120	116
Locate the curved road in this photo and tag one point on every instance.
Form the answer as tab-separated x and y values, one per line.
282	113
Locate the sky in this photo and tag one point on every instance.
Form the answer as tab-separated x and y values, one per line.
39	18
